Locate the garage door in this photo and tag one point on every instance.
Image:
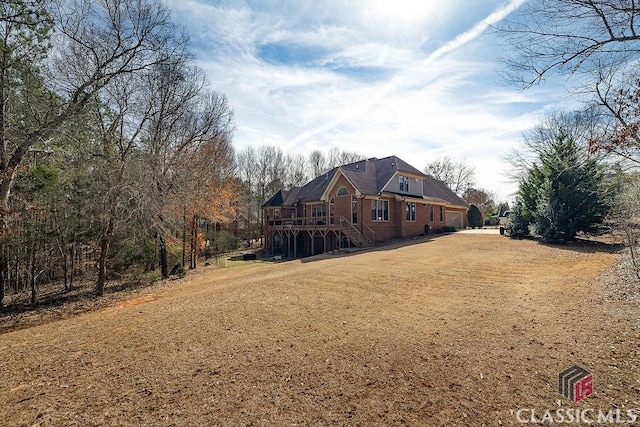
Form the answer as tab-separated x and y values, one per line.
453	219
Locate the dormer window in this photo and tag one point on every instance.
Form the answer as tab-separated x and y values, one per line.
404	183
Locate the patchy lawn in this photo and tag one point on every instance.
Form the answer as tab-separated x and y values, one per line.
460	330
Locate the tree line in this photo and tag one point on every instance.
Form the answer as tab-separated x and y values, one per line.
266	169
116	155
114	150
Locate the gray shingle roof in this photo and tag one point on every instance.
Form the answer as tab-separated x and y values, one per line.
369	177
432	188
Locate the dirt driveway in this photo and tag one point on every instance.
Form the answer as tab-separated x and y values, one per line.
461	330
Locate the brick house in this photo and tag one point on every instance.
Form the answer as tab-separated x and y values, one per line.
359	204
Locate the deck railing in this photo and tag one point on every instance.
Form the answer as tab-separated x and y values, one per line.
315	221
360	236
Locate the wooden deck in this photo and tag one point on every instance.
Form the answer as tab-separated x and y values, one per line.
335	232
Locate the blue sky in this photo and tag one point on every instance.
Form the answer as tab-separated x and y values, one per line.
416	79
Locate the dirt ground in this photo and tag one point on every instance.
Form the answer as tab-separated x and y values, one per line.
459	330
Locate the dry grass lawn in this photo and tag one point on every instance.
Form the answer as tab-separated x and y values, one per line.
461	330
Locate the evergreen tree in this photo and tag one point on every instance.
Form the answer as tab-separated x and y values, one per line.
564	192
474	217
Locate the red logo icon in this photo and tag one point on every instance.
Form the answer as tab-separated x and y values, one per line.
575	383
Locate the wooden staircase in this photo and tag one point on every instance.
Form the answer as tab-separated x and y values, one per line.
355	236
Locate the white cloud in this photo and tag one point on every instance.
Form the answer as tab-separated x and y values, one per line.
414	79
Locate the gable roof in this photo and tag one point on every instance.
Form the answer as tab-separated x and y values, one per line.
369	176
372	175
314	189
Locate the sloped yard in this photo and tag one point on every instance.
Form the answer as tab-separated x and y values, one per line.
461	330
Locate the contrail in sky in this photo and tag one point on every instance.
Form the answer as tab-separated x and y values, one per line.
460	40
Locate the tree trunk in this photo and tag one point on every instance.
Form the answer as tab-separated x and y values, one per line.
249	240
164	263
105	242
184	238
4	272
193	259
65	264
72	267
33	273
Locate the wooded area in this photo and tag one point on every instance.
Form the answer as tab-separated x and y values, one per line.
115	153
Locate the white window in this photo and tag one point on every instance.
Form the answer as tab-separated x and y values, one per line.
411	211
380	210
317	210
404	183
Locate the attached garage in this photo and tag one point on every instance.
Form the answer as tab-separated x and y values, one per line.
454	219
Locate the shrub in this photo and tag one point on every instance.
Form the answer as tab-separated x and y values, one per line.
518	225
474	217
445	229
491	221
127	254
178	270
222	241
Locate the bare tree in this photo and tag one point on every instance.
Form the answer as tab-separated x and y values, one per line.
122	115
171	90
270	173
580	126
105	49
94	43
595	44
337	157
295	167
624	218
570	37
620	133
206	188
318	163
185	116
457	175
112	100
246	164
